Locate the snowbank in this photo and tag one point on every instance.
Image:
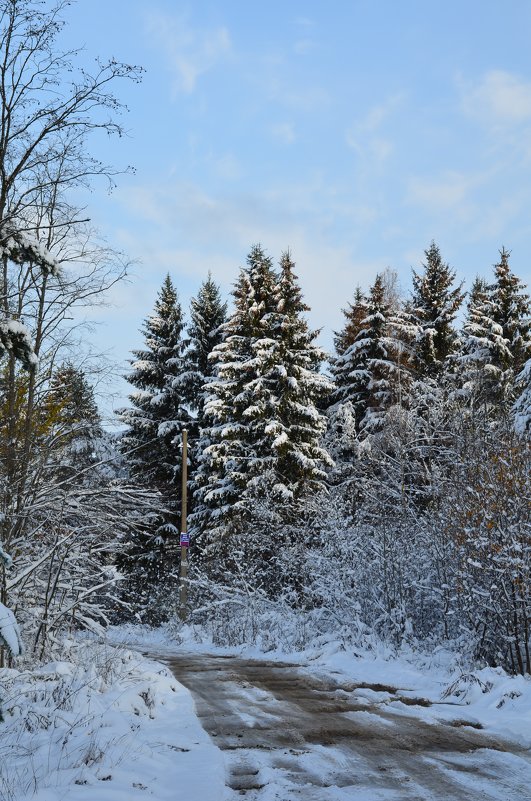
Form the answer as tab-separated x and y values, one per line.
110	725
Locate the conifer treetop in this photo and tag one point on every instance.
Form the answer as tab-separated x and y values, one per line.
354	315
157	413
435	303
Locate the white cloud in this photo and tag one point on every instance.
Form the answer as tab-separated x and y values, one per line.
216	232
189	53
378	114
471	203
365	136
284	132
305	22
445	192
376	149
303	46
305	98
227	167
497	219
500	98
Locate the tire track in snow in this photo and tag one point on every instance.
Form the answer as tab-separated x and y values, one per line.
288	734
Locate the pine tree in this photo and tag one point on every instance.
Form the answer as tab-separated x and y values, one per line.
462	365
510	310
354	315
291	367
71	410
72	397
434	307
522	406
230	409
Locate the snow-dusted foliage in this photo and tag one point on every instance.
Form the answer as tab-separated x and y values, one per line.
522	406
23	251
263	437
484	513
70	515
420	531
496	341
354	314
54	521
370	373
157	414
434	307
9	631
150	443
101	718
207	313
20	248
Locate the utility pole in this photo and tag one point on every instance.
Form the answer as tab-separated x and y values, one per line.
185	540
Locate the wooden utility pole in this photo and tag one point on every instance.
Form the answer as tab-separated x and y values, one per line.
183	575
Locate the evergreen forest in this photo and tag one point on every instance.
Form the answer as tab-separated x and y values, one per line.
381	489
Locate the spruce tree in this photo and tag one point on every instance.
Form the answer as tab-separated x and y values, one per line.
208	313
70	410
72	397
435	304
291	364
510	310
227	460
466	369
157	414
354	314
522	406
150	445
496	339
371	370
263	438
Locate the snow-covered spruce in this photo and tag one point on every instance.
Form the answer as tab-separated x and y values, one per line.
371	374
434	306
264	426
208	313
155	420
496	342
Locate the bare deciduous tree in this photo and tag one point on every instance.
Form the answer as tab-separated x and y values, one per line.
51	266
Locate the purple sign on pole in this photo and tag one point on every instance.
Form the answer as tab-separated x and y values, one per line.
185	540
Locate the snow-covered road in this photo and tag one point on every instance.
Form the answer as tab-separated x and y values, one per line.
288	733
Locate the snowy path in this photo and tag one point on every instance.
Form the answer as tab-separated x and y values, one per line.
289	734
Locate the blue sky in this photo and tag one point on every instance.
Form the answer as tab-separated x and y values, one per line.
353	133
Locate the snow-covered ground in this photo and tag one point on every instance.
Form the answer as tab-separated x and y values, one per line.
111	724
